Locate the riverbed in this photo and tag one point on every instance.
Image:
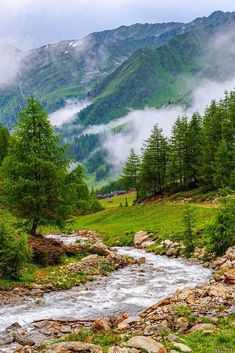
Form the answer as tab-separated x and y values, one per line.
130	290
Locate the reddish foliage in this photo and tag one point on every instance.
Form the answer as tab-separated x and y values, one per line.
46	251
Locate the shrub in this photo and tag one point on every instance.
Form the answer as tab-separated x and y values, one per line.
222	232
14	253
46	251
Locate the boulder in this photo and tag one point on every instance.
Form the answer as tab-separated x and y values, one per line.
100	325
182	347
201	327
147	343
127	322
141	238
230	277
182	324
73	347
23	340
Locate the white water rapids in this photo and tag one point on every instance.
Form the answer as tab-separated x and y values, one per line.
130	289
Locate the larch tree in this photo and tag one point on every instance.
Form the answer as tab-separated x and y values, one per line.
154	162
131	172
35	169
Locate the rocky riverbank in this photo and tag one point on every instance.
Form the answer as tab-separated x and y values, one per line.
156	329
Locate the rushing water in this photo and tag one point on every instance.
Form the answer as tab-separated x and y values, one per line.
130	289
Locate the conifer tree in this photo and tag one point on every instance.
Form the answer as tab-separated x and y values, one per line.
35	169
154	162
131	172
179	153
222	166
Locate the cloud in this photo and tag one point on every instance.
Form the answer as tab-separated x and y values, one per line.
46	21
139	123
67	113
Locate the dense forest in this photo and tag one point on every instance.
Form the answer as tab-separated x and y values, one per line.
199	154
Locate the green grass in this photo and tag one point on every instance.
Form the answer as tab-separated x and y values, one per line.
118	200
220	340
117	225
104	340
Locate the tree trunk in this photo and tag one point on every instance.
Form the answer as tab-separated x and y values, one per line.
34	226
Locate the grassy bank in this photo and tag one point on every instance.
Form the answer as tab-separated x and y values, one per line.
117	225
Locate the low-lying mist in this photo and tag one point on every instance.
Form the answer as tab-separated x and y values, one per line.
139	123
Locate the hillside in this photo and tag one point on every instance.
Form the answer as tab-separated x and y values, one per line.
69	69
156	77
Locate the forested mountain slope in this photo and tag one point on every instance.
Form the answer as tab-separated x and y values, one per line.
69	69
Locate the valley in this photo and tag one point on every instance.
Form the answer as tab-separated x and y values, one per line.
117	177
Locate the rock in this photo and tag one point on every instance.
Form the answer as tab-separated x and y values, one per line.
167	243
230	254
182	347
184	294
100	248
147	343
141	238
14	327
120	319
141	260
116	349
130	320
201	327
148	331
22	340
230	277
100	325
217	291
73	347
182	324
171	338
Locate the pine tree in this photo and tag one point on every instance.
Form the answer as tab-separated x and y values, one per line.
131	172
154	162
211	137
222	166
179	165
35	169
194	141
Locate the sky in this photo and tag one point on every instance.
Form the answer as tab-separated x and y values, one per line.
32	23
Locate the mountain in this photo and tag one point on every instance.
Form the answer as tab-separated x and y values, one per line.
70	69
156	77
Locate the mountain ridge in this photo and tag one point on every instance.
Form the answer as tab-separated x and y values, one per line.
70	69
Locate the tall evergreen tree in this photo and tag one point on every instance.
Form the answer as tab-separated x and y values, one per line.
131	172
194	141
35	169
211	137
179	154
154	162
222	166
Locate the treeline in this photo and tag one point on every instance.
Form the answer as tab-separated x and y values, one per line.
199	153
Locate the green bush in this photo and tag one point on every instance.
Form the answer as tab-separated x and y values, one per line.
14	253
222	232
